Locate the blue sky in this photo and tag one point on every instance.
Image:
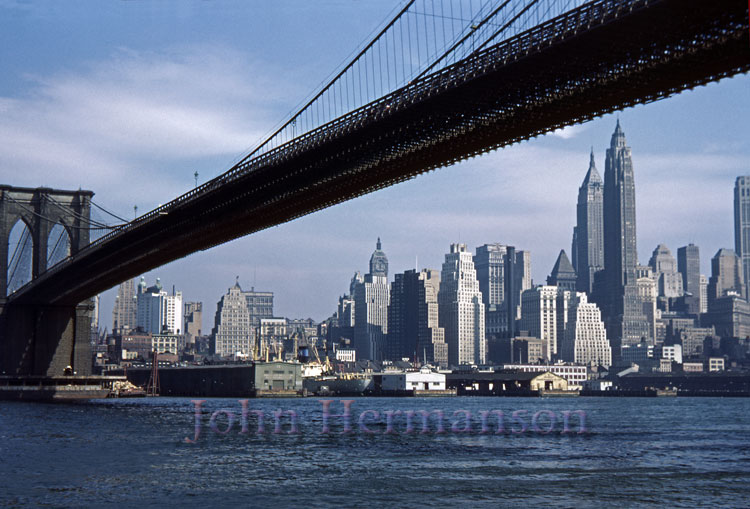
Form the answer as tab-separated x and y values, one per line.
130	98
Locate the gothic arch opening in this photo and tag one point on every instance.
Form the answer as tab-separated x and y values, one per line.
58	245
20	254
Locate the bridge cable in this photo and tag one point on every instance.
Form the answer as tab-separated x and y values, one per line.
51	255
107	211
77	215
81	217
37	214
463	39
325	89
505	26
22	242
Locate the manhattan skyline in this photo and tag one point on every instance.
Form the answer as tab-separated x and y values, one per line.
687	150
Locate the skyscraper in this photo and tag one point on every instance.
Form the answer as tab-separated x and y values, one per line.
503	274
689	265
342	327
726	276
234	331
413	330
371	299
620	252
668	279
124	316
490	263
518	274
157	310
461	309
193	315
539	316
619	296
259	305
742	225
585	339
588	237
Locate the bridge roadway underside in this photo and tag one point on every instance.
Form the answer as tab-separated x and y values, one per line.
634	58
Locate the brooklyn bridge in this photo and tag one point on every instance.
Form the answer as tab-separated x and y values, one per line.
518	69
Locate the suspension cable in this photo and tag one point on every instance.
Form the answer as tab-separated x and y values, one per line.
37	214
463	39
107	211
77	215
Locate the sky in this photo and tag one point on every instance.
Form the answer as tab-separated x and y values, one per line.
130	98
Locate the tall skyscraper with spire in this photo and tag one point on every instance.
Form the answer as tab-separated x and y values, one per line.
620	252
619	297
371	300
588	241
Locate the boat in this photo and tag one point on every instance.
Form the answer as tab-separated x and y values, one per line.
348	384
62	388
669	391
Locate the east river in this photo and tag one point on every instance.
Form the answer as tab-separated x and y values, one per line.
490	452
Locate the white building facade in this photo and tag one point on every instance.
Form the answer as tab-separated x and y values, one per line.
422	380
234	332
586	338
461	310
576	375
539	316
157	311
371	299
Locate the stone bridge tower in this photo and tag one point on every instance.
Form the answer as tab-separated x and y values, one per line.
38	338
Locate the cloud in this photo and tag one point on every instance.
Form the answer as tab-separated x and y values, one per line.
569	132
136	123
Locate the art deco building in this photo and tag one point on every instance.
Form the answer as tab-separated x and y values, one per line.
413	330
503	274
461	309
618	295
234	331
588	243
371	299
585	338
490	262
668	279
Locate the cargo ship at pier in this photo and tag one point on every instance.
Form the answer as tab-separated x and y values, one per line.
350	384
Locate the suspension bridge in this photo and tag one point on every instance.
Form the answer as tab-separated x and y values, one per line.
439	82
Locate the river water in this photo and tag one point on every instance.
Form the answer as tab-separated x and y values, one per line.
676	452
